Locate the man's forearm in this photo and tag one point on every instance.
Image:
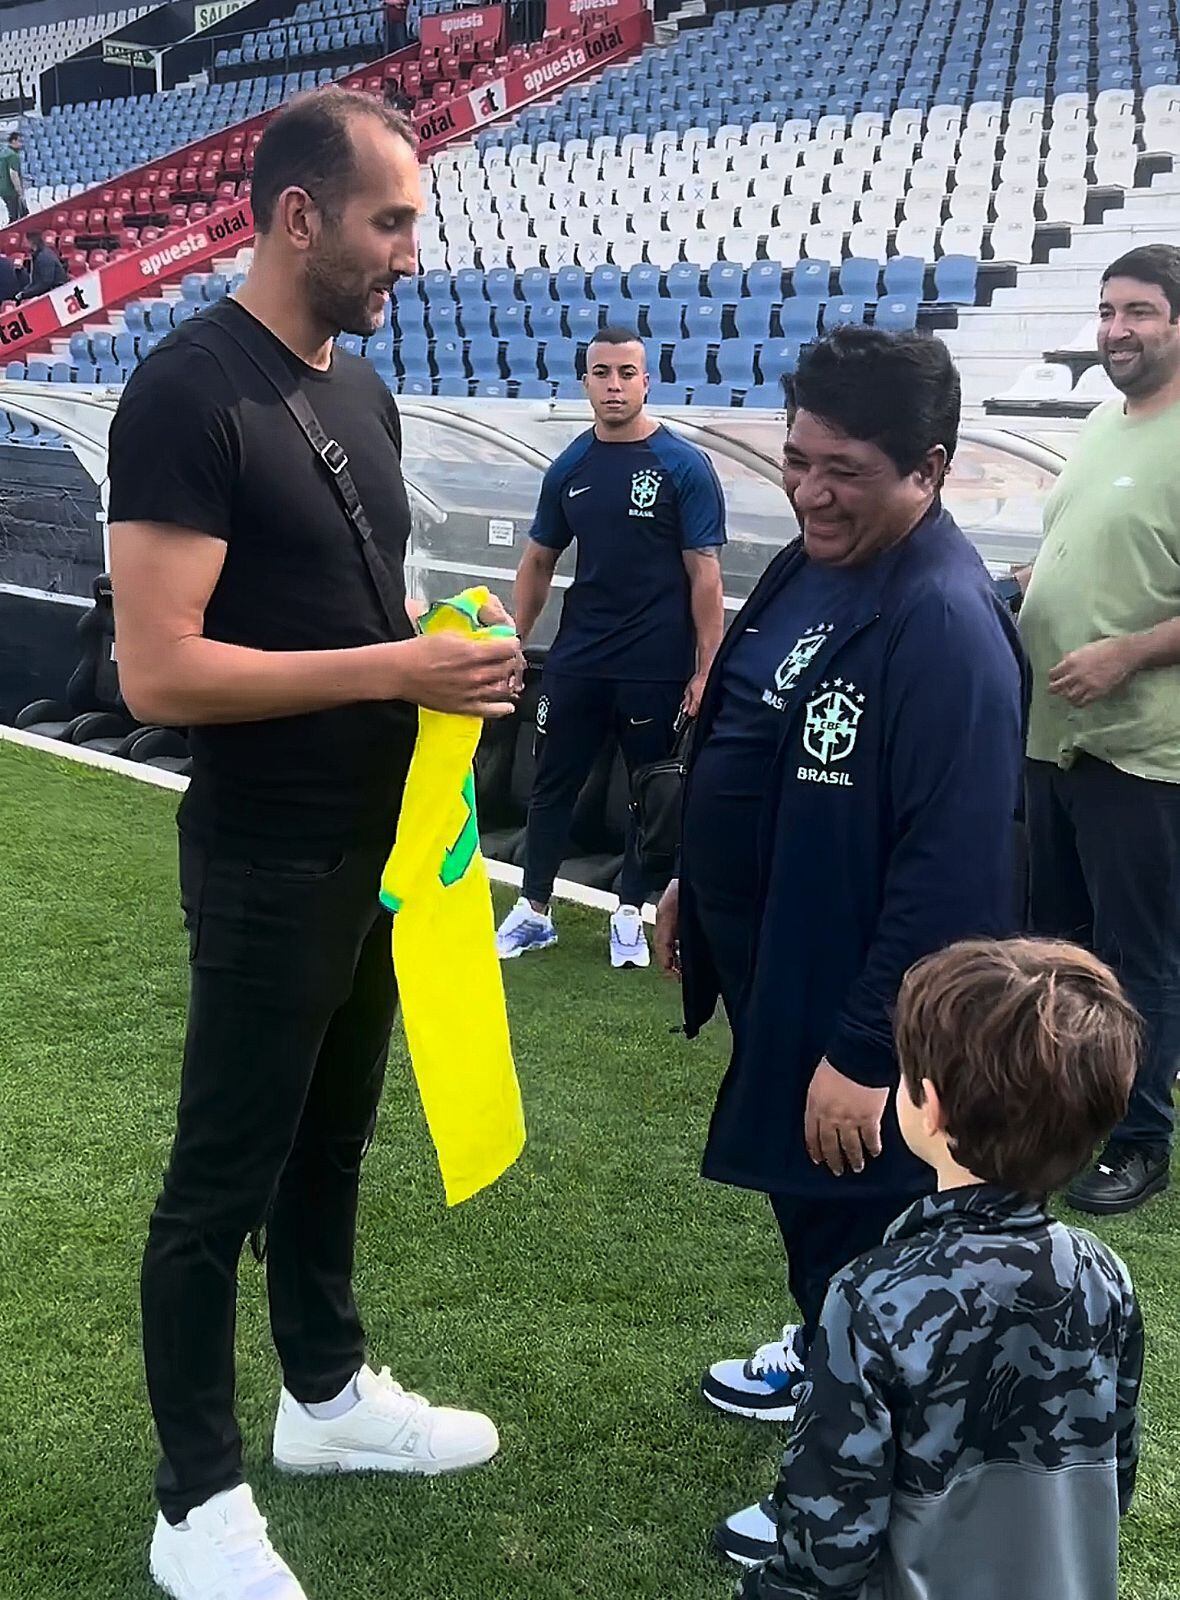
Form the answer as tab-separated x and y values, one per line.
708	616
529	595
201	681
1156	647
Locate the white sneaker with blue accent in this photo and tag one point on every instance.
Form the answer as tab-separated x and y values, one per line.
762	1387
524	929
628	942
750	1536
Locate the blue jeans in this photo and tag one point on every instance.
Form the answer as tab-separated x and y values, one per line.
1104	871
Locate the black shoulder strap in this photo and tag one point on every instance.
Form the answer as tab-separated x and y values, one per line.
259	351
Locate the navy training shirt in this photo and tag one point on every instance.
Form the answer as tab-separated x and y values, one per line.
730	770
633	509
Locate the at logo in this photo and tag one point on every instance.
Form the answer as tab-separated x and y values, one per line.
830	722
645	486
803	653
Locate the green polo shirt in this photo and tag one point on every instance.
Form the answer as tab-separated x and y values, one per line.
1109	566
9	163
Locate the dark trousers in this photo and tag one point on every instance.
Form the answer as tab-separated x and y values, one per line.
574	719
1104	871
821	1234
292	999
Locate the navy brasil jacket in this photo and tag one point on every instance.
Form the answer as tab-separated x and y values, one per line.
888	831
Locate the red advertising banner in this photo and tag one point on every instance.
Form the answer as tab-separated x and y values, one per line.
546	76
483	24
181	250
563	16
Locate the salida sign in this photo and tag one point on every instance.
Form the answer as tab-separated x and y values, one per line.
194	246
492	100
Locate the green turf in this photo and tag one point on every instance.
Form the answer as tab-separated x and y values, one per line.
577	1301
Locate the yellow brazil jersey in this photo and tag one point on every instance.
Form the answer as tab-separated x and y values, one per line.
444	947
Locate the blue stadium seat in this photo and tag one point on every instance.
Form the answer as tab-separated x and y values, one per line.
520	354
798	317
664	320
684	280
61	372
570	284
643	283
500	285
546	321
493	389
536	285
469	286
475	318
778	360
453	384
842	312
725	280
413	355
955	279
510	319
559	359
735	362
702	319
905	275
442	316
896	314
79	348
533	389
690	361
351	342
437	285
484	356
605	282
37	370
812	278
409	314
860	278
752	318
102	349
417	385
668	394
124	349
379	350
582	321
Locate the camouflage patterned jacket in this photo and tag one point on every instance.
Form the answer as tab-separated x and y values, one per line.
967	1429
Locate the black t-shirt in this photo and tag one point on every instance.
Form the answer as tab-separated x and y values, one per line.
201	440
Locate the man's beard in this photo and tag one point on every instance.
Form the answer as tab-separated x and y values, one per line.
339	298
1151	371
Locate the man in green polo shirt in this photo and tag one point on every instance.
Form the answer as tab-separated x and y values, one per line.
12	183
1101	623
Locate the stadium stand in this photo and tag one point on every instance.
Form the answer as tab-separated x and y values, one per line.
29	51
767	175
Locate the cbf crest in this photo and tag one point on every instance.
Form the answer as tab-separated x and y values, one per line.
645	486
831	721
792	667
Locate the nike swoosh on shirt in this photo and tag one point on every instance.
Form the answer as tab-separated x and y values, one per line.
574	493
641	722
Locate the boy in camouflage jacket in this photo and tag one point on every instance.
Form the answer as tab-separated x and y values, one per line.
967	1427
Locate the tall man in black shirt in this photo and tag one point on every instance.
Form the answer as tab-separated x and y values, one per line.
246	611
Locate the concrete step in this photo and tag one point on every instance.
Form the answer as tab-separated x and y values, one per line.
982	331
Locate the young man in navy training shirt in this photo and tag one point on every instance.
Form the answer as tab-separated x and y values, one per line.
640	625
968	1422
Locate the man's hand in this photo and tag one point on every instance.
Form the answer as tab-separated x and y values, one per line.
495	614
1023	575
444	672
693	694
1094	671
667	927
842	1124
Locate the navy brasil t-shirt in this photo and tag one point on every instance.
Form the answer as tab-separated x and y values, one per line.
633	509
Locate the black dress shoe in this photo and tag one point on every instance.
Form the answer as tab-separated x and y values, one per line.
1126	1176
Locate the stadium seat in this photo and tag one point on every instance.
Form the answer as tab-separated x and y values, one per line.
955	279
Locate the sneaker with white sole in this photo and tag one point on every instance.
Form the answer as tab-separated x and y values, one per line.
762	1387
387	1430
524	929
750	1536
628	942
221	1552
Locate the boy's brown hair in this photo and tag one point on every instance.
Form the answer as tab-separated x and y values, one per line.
1031	1045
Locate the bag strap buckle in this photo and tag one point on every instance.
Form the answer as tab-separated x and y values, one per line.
333	457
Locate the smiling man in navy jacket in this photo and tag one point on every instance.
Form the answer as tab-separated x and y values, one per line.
849	808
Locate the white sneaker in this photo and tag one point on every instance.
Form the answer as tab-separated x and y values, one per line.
221	1552
762	1387
750	1536
628	942
524	929
388	1430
